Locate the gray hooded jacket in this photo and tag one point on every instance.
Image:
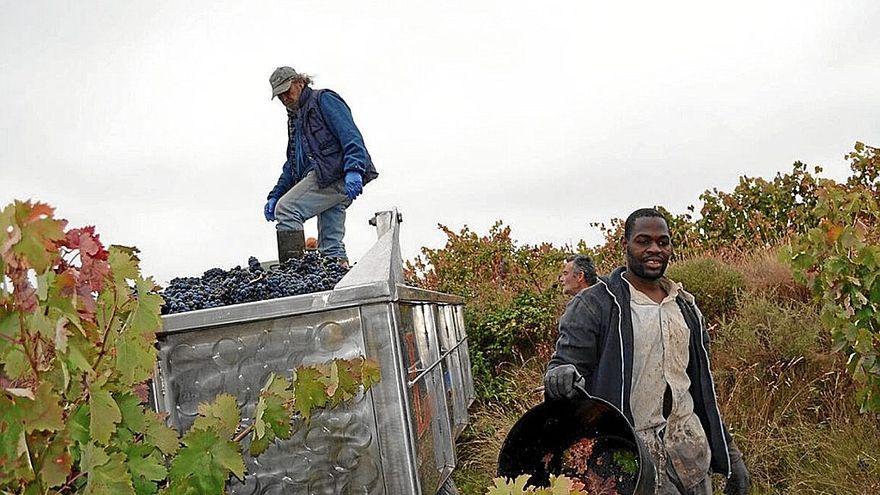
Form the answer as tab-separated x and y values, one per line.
596	336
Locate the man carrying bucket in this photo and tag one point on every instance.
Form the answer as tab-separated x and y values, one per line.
639	341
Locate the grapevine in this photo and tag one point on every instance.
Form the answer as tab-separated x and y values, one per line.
839	259
78	327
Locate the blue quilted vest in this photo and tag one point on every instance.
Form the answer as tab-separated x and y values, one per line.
322	148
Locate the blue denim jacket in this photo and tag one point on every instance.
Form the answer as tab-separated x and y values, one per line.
336	117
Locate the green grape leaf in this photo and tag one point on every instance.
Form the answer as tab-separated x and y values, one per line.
110	477
78	351
145	317
277	414
143	486
278	386
60	299
206	461
41	323
193	459
39	231
626	460
92	457
15	363
277	417
107	304
146	466
370	373
508	487
259	445
123	436
348	380
558	486
221	416
123	262
132	412
13	447
56	462
227	454
103	414
44	413
160	435
561	485
135	357
78	424
10	329
308	390
272	415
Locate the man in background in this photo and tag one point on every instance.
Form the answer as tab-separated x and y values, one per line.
578	273
326	167
639	341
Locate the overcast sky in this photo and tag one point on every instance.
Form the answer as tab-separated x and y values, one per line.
152	120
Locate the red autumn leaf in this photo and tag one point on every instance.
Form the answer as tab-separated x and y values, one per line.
94	267
86	241
70	283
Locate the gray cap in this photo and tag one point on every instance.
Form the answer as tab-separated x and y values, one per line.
281	79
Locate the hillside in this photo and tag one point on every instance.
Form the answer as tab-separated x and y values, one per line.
784	271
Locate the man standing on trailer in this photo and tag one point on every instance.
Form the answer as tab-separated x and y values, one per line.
639	341
326	168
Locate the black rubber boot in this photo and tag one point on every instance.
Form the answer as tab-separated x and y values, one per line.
343	262
290	244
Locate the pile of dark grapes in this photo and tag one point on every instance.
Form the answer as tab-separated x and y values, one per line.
217	287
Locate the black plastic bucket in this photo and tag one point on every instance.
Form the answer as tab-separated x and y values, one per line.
536	443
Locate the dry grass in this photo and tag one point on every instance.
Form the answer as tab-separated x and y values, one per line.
481	442
790	402
766	274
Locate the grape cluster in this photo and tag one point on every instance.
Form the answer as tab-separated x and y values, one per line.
218	287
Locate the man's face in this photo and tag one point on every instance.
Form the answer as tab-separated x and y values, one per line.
649	248
571	280
290	98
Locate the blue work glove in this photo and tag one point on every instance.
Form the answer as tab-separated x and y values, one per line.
559	382
739	482
269	209
354	184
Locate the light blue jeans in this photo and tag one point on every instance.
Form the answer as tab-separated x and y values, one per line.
306	200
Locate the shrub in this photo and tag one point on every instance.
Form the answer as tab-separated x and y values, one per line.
768	331
508	335
513	300
769	273
759	213
715	285
840	259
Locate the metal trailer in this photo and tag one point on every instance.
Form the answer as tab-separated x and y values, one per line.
398	438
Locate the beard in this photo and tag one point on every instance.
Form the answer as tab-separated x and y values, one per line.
642	270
